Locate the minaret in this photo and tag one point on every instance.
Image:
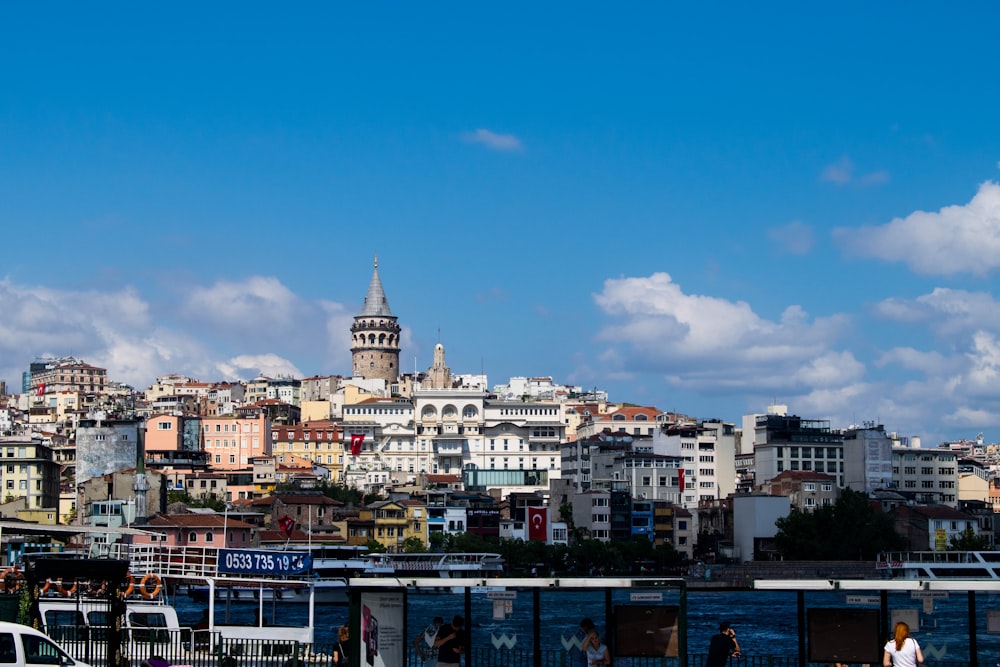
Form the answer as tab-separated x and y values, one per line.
375	336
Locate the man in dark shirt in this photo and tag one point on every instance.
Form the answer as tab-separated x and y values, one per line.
722	646
451	643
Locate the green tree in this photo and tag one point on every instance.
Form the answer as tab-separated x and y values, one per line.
850	529
375	547
414	545
969	541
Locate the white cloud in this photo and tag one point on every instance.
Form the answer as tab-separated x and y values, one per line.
955	239
842	172
706	343
946	312
249	366
796	237
494	141
229	328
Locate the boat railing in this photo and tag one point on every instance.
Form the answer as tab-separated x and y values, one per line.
172	562
898	559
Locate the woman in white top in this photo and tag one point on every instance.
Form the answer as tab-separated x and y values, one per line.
902	650
597	653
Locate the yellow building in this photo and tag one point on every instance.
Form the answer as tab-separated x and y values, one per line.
395	521
315	441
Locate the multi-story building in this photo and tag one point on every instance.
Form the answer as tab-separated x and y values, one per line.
313	513
932	527
788	442
105	446
67	374
317	441
396	520
592	513
867	458
29	471
231	441
383	432
928	476
806	489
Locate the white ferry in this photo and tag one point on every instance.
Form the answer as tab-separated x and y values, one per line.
445	564
939	564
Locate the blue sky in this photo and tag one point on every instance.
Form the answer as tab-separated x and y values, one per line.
704	207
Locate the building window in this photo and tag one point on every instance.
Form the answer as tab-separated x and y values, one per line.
192	537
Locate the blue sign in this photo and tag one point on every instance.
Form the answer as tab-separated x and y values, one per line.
248	561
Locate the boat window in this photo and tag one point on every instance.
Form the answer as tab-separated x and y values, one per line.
65	624
147	619
8	650
40	651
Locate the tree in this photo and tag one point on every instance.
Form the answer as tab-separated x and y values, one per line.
969	541
414	545
850	529
375	547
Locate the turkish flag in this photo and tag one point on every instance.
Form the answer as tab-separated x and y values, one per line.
537	529
41	388
287	525
357	439
680	478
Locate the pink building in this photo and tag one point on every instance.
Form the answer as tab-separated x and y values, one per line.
231	441
197	530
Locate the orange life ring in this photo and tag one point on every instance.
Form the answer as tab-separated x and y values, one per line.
63	590
47	586
149	580
129	584
9	580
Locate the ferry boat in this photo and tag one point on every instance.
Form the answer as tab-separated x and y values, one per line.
77	611
939	564
460	565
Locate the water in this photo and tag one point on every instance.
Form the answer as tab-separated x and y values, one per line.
766	621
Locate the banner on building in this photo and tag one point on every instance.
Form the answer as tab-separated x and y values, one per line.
538	523
357	440
680	479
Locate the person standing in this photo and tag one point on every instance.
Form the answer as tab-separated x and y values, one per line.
722	646
424	643
902	650
581	639
340	652
451	643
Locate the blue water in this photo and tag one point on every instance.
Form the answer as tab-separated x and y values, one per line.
766	620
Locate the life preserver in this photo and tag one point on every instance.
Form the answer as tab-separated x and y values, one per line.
64	590
46	586
9	580
129	584
150	586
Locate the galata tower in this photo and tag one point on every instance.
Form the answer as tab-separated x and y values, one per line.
375	336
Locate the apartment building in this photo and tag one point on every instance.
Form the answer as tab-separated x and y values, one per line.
928	476
232	440
806	490
788	442
50	376
28	471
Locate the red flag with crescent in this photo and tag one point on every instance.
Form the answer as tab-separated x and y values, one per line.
41	388
287	525
537	528
357	439
680	479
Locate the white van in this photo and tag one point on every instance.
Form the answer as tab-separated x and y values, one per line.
23	646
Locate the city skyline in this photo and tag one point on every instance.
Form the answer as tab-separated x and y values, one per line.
704	210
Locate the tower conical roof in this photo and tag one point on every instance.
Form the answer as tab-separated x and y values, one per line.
376	305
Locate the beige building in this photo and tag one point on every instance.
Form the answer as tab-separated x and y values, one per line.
315	441
805	489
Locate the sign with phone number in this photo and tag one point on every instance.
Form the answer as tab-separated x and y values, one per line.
248	561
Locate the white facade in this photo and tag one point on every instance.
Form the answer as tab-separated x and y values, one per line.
927	475
867	459
753	518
